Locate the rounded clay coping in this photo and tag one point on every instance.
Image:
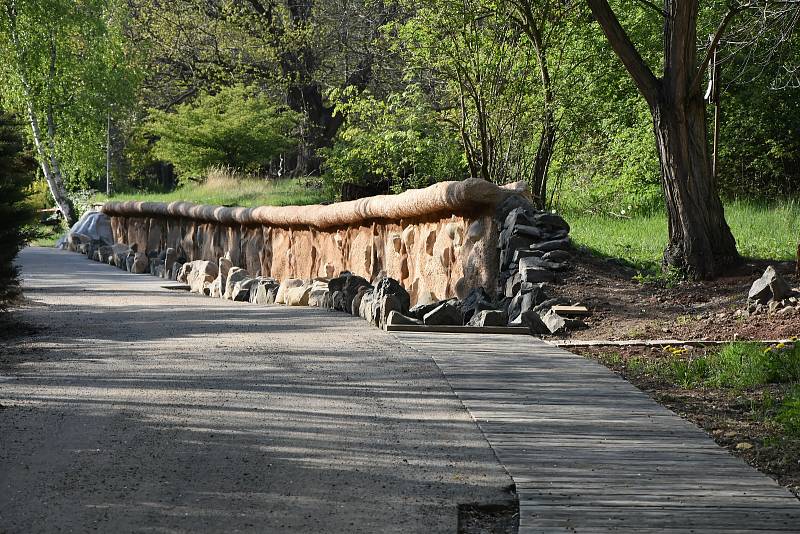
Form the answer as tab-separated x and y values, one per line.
452	197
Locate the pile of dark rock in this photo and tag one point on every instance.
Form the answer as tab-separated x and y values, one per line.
772	294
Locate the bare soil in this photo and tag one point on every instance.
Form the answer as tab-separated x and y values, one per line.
624	308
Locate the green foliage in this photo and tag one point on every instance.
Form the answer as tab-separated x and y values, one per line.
237	127
737	365
70	66
788	414
15	176
396	140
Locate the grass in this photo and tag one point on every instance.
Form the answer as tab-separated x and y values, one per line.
225	188
762	231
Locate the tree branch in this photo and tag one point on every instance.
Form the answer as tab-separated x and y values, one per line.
643	77
698	76
652	6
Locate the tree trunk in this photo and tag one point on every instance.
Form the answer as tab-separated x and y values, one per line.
700	241
54	180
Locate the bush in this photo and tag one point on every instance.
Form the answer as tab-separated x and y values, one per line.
396	140
237	127
15	177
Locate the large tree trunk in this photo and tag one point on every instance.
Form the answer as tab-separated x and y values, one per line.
700	241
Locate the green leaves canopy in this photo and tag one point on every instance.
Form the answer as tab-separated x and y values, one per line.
237	127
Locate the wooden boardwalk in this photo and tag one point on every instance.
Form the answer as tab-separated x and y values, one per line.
591	453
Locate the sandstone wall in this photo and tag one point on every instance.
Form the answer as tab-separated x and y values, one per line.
438	242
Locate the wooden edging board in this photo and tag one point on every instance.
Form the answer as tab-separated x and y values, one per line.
566	343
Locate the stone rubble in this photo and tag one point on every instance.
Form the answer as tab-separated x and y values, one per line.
771	294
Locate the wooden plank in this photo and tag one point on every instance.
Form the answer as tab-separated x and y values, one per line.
591	453
514	330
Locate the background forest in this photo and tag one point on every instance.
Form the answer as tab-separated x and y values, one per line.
299	101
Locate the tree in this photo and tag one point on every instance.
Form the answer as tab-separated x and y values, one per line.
237	127
700	241
15	176
64	67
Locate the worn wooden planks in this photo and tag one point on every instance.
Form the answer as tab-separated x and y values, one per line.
591	453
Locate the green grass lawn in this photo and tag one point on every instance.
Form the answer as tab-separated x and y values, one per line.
227	191
762	231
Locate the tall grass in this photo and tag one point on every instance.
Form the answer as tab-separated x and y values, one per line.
764	231
224	187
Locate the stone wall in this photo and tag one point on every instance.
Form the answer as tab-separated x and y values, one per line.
438	242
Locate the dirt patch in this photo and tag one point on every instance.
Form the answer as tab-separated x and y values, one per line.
493	518
624	307
738	420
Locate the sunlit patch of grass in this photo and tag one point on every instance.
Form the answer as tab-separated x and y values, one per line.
762	231
226	188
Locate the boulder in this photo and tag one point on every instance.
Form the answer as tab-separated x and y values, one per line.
557	256
140	263
355	306
419	311
545	306
170	257
235	275
104	253
550	220
198	274
531	270
397	318
444	314
534	322
241	289
388	304
476	300
554	322
400	299
529	296
316	297
771	286
365	308
489	318
259	291
298	296
352	286
556	244
289	283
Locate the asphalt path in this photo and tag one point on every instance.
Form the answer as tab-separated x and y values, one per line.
132	408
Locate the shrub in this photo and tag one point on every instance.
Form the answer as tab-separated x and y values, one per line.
396	140
237	127
15	177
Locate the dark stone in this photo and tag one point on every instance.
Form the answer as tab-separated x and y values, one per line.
557	244
385	288
534	322
509	204
419	311
555	255
512	284
444	314
397	318
545	306
477	300
351	287
355	305
525	253
531	270
338	300
552	220
241	290
489	318
528	231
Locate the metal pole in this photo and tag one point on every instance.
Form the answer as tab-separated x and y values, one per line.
108	155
